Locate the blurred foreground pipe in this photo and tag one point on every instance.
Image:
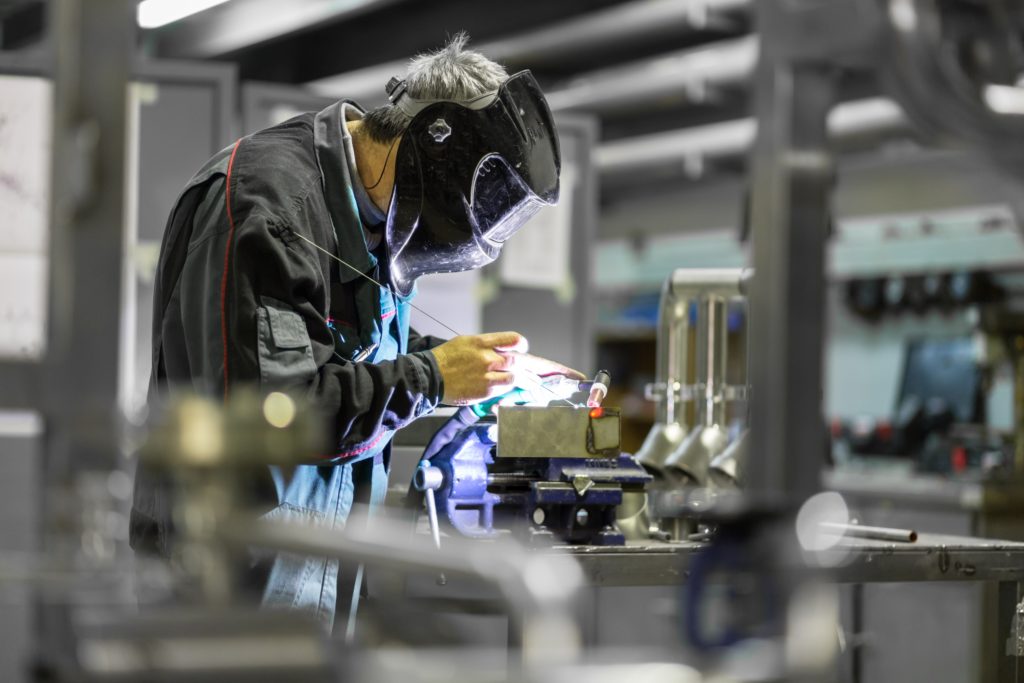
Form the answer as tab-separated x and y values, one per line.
540	589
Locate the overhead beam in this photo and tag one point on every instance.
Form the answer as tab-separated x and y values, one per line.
690	73
693	146
605	29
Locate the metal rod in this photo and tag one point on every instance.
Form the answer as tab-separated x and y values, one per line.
734	138
877	533
712	355
435	532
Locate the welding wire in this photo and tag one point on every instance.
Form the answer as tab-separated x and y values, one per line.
877	533
451	329
359	272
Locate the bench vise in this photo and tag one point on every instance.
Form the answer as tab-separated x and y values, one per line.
552	474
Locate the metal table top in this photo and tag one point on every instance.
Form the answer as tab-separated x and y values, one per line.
933	557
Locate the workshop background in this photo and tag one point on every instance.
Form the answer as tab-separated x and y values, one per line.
654	101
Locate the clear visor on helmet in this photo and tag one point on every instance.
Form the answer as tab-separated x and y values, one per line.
500	201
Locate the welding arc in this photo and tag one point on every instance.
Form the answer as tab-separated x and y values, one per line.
388	287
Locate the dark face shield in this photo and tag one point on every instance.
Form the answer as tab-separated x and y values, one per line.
468	175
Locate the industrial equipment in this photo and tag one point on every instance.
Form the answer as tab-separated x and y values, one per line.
550	471
711	455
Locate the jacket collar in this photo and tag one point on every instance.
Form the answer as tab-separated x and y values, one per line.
337	186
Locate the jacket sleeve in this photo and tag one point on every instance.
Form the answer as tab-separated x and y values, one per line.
251	304
419	342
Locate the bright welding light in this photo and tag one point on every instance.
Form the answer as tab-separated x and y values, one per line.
154	13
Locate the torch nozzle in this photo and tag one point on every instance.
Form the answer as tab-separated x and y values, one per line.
599	389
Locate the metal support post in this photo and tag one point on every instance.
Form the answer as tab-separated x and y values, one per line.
93	44
792	181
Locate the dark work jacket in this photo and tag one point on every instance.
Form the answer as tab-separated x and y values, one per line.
241	299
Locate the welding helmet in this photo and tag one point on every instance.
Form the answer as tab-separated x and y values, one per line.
468	174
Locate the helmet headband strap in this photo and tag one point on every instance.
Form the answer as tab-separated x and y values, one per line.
399	96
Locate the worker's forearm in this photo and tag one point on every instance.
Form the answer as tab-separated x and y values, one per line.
366	401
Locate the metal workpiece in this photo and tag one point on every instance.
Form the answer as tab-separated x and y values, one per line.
727	469
663	440
690	461
557	432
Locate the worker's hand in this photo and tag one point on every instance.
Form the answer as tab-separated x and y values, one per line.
477	367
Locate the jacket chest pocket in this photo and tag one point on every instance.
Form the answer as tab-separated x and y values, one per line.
285	351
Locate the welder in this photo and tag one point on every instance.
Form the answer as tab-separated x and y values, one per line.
289	262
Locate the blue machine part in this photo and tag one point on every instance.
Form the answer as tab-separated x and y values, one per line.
463	495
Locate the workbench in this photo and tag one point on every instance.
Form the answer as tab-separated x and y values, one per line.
933	557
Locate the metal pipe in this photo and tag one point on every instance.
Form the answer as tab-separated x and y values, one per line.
641	20
735	138
690	72
876	533
672	347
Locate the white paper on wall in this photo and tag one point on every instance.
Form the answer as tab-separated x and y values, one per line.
25	121
453	299
22	304
538	255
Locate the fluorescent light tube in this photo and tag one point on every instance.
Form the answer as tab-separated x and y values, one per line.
154	13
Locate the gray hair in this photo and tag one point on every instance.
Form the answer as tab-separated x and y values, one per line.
451	73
